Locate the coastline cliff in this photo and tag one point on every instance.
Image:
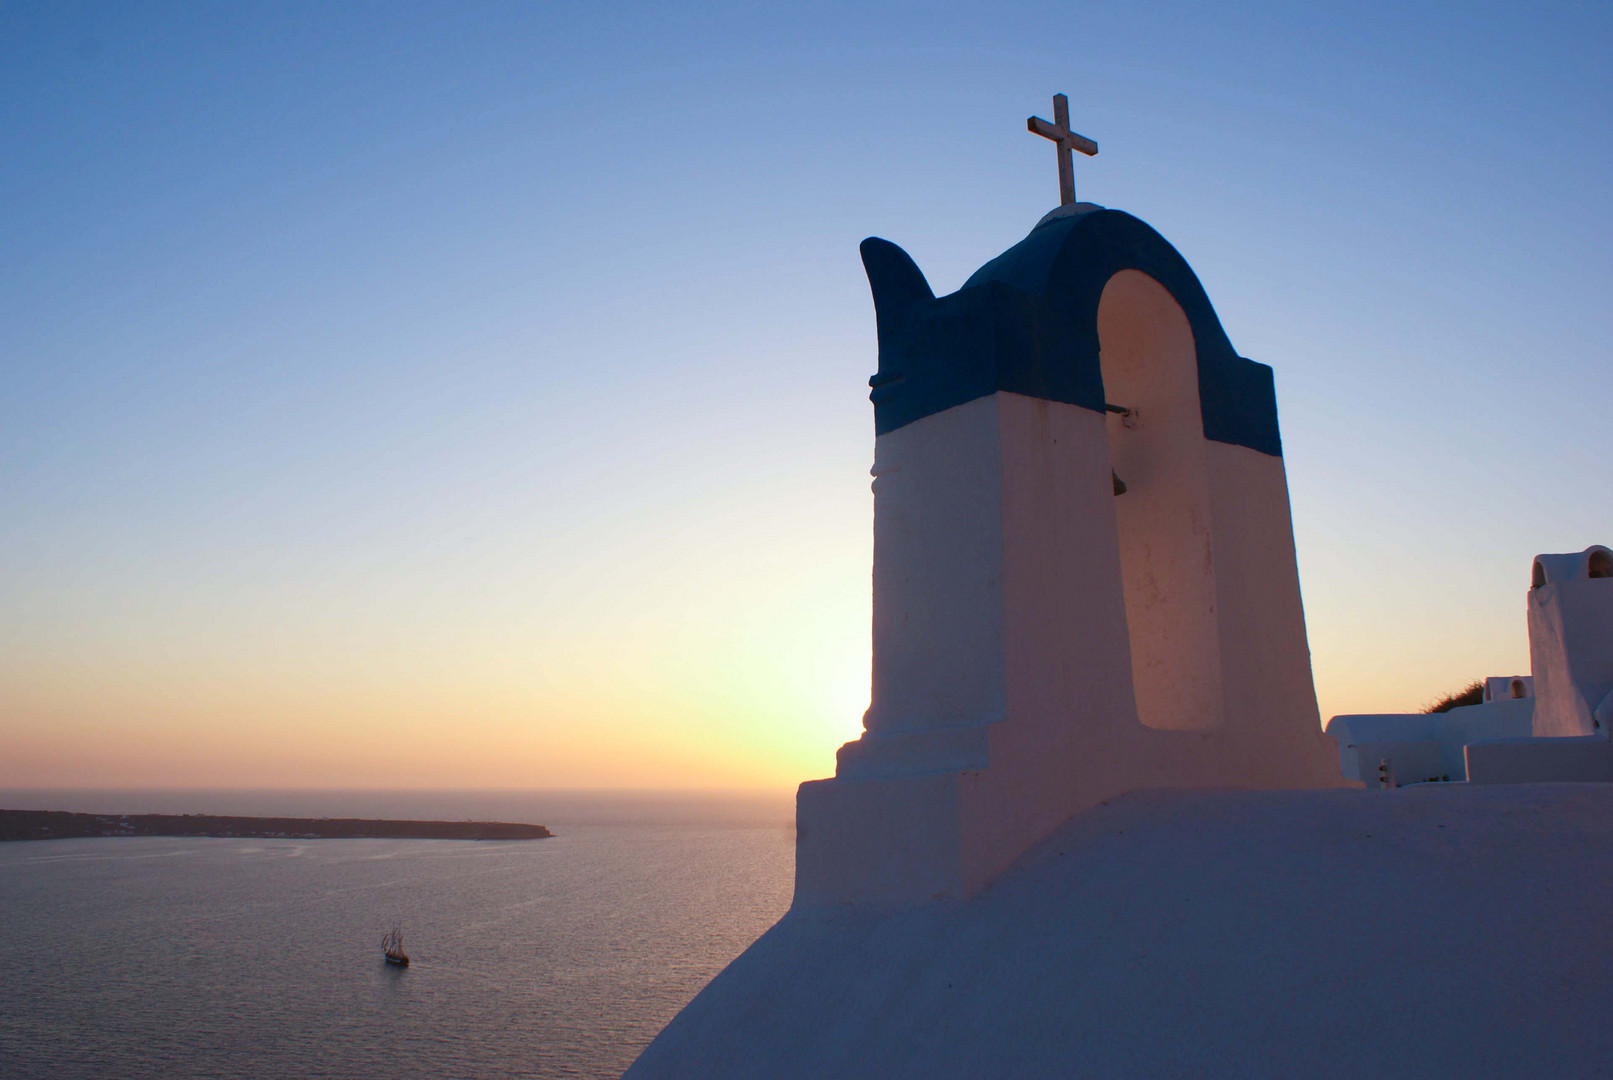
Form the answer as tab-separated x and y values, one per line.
62	825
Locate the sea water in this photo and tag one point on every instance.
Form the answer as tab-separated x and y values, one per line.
154	957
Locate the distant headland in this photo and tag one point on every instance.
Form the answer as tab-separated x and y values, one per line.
61	825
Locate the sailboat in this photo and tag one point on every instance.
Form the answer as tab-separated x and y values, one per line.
392	948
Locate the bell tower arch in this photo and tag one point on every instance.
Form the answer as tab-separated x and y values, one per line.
1163	519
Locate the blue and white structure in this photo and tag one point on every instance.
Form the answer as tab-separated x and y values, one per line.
1043	641
1092	826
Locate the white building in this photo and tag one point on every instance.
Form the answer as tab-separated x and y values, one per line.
1042	643
1549	726
1508	687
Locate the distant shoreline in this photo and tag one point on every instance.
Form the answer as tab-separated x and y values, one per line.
62	825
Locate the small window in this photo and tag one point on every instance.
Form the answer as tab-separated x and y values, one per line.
1600	564
1540	575
1517	688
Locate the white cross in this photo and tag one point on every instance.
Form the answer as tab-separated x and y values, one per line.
1059	131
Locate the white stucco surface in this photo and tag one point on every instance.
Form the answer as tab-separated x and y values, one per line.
1507	687
1041	644
1425	746
1571	640
938	563
1167	560
1432	931
1556	729
1533	760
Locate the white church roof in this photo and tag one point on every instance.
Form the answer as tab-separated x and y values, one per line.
1250	934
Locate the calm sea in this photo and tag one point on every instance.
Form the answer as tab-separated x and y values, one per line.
234	958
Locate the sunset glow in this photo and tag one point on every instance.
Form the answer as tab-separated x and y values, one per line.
487	407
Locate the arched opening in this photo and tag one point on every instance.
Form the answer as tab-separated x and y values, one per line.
1600	564
1157	448
1517	688
1539	578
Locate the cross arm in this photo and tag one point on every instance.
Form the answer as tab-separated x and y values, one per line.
1037	126
1083	144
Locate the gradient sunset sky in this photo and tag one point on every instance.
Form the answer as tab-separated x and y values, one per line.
403	395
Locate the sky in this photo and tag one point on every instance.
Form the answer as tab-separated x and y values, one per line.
474	396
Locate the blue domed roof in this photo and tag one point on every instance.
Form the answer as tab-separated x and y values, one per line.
1027	322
